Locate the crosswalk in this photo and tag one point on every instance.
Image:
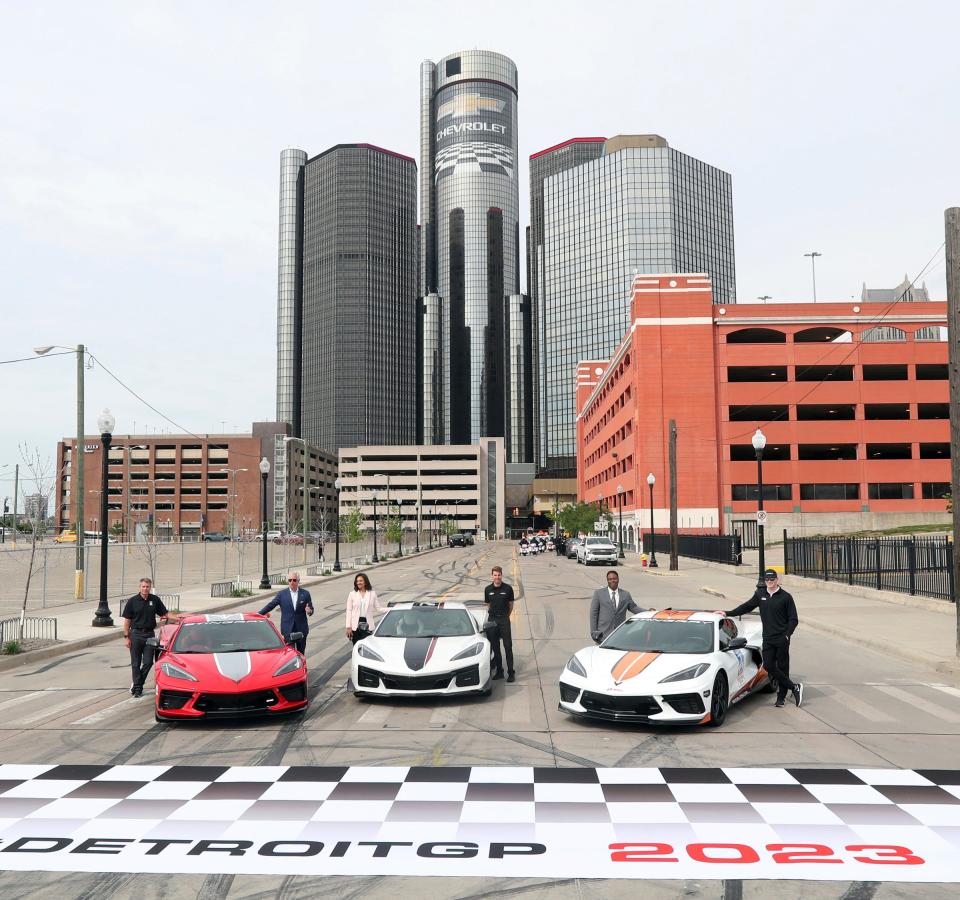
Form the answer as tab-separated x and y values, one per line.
931	706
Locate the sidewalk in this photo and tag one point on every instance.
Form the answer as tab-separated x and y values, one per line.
75	632
916	629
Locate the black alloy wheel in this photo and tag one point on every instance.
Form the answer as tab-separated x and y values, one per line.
719	700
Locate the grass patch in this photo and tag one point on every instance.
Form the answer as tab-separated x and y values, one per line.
946	527
11	648
241	592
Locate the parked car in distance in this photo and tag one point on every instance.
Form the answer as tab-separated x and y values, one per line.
216	536
571	547
271	535
597	549
460	539
289	539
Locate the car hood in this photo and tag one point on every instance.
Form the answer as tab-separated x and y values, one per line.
634	672
239	670
419	654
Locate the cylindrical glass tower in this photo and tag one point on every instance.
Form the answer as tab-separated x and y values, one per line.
470	216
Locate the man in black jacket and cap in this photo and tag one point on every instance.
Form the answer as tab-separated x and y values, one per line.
778	613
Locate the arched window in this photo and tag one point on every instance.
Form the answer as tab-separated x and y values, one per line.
931	333
883	334
756	336
630	532
822	334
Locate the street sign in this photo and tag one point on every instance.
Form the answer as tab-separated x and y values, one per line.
761	517
599	525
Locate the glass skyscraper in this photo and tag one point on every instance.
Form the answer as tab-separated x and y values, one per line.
470	264
348	269
641	207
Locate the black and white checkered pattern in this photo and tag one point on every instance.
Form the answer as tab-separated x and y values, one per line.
378	798
475	156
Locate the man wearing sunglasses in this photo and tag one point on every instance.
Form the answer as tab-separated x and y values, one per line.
778	613
295	605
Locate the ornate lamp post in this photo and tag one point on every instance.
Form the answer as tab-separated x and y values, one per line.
759	441
375	558
102	618
400	521
337	484
264	472
620	493
651	481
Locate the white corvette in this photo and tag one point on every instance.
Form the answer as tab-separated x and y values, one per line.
666	666
424	649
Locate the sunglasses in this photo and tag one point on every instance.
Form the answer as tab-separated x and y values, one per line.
292	580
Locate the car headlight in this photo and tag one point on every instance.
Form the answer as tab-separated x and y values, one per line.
472	650
291	665
575	666
364	651
172	671
693	672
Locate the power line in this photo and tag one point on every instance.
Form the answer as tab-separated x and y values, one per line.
34	358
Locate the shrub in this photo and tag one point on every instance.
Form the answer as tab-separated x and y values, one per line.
12	647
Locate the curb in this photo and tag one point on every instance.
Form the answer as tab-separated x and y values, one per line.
65	647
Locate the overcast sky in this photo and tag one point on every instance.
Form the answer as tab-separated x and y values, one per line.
140	144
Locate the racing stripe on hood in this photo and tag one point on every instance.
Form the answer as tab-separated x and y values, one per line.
416	651
235	666
631	664
676	614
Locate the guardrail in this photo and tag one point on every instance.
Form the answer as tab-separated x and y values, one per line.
171	602
916	566
33	629
226	588
721	548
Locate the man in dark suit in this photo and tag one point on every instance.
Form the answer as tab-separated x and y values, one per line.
295	605
609	608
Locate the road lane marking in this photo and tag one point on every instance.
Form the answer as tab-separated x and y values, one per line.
858	706
375	715
60	708
934	709
108	711
16	701
946	689
445	715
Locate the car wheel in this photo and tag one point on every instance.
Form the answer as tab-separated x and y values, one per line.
719	700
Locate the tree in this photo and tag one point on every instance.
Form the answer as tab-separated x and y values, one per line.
578	517
351	525
394	529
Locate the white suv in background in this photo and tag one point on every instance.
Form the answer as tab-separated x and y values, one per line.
597	550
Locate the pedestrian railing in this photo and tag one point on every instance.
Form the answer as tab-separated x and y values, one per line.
916	565
722	548
33	629
171	601
227	588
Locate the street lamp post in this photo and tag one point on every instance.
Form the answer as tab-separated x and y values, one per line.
264	472
400	521
813	266
651	481
76	467
102	618
430	524
620	493
419	517
375	558
759	441
337	485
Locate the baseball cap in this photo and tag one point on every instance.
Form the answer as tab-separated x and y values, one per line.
771	573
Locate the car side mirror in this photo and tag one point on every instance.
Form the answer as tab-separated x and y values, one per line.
152	642
294	637
489	628
737	643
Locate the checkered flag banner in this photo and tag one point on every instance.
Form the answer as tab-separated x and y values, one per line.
662	823
476	157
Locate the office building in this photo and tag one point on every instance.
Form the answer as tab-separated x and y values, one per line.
854	407
470	220
641	207
347	296
427	485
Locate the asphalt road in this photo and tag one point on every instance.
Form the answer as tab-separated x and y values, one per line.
861	710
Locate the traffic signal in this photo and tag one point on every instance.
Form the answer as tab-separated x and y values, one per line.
6	505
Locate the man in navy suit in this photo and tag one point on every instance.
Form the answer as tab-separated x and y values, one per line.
295	605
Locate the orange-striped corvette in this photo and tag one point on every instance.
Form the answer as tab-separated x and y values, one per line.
670	665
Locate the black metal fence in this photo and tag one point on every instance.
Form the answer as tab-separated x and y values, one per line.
916	565
722	548
227	588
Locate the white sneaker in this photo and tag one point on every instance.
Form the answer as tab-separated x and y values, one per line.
798	692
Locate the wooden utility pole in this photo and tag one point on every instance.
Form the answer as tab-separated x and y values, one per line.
952	227
674	560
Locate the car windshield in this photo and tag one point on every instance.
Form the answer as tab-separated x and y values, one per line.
598	542
662	636
426	622
226	637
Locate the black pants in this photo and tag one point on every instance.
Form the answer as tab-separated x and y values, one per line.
505	635
361	631
141	657
776	660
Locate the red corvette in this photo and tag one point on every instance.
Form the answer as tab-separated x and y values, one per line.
226	666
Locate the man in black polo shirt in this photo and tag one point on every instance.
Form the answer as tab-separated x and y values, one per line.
139	623
778	615
499	599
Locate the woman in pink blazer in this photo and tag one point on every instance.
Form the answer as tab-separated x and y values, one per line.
362	605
